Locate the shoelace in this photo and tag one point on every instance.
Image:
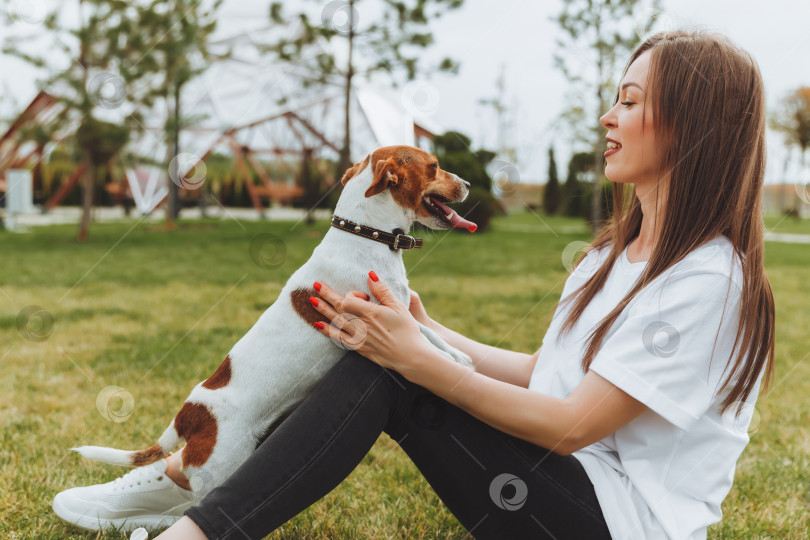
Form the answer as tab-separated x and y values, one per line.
137	477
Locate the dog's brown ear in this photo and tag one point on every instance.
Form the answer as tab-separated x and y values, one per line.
385	176
354	170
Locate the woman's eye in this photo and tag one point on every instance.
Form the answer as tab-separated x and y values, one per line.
627	103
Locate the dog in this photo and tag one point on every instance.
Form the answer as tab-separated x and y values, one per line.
275	365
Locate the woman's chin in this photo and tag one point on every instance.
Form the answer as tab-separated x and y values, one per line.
617	177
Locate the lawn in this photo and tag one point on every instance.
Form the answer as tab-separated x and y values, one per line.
155	312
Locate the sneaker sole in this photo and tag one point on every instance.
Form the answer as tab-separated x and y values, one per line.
129	524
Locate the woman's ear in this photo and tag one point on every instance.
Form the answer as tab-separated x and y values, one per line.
354	170
386	174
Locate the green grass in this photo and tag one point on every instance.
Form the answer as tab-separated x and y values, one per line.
154	312
786	224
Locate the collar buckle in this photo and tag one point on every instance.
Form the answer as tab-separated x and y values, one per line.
398	239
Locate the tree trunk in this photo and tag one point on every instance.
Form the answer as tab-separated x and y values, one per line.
87	199
598	172
173	150
306	182
345	154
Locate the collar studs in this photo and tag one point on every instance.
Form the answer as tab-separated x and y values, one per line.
396	240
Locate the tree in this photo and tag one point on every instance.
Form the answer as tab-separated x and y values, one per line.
94	86
793	119
597	25
572	191
176	51
390	43
453	152
551	195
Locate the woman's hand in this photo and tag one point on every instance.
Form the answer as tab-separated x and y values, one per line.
386	334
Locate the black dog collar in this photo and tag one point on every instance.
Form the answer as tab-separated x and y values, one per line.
394	240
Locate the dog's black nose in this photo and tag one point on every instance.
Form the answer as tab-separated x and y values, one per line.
465	182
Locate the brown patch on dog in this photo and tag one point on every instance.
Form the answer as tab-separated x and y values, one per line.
299	299
354	170
198	427
221	377
148	456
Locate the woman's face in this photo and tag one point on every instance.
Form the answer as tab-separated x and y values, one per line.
636	159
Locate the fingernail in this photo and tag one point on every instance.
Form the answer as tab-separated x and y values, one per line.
313	301
317	286
319	325
373	276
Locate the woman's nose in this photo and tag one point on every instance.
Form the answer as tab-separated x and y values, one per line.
607	119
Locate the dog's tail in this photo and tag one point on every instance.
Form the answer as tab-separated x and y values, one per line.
133	458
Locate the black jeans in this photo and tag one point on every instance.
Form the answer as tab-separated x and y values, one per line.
496	485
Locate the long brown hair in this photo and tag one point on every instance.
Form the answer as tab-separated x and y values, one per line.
709	119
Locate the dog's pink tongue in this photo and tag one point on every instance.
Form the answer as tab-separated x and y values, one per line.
455	219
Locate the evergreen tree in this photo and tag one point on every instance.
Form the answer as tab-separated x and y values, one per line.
551	195
573	191
453	152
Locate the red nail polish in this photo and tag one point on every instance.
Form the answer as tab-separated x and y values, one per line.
317	286
319	325
373	276
313	301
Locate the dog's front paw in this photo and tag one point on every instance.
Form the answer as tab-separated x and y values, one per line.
460	357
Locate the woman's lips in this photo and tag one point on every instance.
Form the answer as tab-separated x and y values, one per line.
611	152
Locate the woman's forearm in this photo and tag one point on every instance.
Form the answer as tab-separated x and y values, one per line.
500	364
543	420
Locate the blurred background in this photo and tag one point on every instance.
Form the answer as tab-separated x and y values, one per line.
166	165
191	106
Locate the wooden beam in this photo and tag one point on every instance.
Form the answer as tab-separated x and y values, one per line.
315	132
41	102
65	188
243	169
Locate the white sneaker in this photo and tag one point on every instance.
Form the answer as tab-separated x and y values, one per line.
144	497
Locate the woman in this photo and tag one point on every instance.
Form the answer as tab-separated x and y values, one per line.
629	420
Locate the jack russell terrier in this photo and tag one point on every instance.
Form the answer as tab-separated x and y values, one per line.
282	357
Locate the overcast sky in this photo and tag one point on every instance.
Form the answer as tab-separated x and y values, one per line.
485	35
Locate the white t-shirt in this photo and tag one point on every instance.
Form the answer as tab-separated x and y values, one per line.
665	474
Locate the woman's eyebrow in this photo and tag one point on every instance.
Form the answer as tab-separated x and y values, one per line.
625	85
